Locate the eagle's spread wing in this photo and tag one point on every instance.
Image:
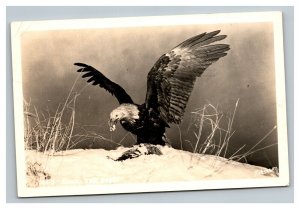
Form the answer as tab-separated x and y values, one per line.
97	78
171	80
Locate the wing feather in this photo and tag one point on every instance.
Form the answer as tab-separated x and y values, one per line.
97	78
171	79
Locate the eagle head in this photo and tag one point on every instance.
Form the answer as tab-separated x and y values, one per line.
115	116
126	112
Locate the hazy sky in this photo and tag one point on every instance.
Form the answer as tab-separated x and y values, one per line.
126	56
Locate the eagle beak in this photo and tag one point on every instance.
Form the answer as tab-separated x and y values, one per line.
112	124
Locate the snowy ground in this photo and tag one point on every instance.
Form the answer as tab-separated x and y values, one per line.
80	167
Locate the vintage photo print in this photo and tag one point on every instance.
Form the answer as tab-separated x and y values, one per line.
146	104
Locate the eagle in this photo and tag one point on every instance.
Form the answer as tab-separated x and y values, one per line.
169	85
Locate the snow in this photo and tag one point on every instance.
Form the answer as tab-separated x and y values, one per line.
96	166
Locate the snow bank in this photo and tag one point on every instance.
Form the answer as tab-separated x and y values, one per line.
95	166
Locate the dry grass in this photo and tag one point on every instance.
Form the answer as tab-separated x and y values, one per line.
211	137
213	132
51	132
46	131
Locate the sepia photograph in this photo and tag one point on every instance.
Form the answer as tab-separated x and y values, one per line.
149	104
